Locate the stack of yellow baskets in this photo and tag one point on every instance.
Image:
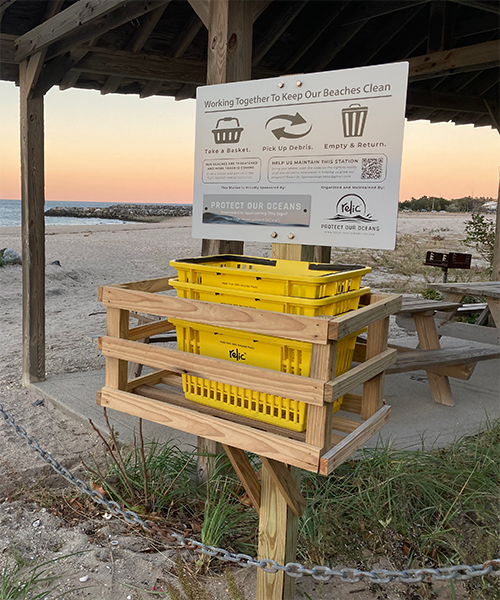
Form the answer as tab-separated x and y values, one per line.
286	286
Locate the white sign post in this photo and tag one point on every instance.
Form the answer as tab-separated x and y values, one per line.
309	159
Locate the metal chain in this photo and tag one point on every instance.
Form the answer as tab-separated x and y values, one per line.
320	573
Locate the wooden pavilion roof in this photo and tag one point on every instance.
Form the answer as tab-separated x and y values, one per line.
159	47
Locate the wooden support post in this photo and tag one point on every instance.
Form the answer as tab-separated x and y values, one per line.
230	27
278	528
495	274
373	389
117	322
319	418
33	225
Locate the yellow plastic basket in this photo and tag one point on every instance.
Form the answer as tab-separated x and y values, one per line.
269	276
332	305
287	356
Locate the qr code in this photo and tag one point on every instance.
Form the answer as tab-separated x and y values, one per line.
372	168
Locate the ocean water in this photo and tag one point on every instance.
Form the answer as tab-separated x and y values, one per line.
10	214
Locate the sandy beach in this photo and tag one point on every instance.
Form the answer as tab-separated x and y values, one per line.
90	257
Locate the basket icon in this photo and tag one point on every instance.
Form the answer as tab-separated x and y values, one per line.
229	135
354	120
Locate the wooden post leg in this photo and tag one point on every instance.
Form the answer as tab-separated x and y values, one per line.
319	418
33	226
494	306
429	340
116	370
278	528
373	389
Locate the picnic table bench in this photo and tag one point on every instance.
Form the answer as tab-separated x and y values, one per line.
431	319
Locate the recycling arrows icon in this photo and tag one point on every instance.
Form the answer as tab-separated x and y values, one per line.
282	132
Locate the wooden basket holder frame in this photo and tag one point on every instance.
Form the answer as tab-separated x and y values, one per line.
328	440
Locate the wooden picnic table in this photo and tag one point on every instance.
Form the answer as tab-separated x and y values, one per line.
490	290
431	319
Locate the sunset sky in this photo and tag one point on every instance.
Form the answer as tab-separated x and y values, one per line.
119	148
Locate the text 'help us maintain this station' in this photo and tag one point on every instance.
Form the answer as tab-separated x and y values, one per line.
305	159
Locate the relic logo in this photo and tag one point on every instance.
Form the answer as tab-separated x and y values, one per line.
352	207
237	355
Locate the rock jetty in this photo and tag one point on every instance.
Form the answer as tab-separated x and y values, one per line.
123	212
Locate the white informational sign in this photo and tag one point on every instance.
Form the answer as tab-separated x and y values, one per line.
305	159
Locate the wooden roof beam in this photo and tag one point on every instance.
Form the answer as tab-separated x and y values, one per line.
80	23
384	34
275	31
4	5
339	39
437	23
457	60
494	111
438	100
185	37
335	9
136	44
481	5
143	67
7	48
370	10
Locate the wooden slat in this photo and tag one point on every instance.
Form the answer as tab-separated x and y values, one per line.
458	60
344	325
348	381
246	473
413	305
483	288
262	443
287	385
344	425
32	229
177	398
157	284
423	359
307	329
463	372
56	69
346	448
149	379
144	331
286	484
